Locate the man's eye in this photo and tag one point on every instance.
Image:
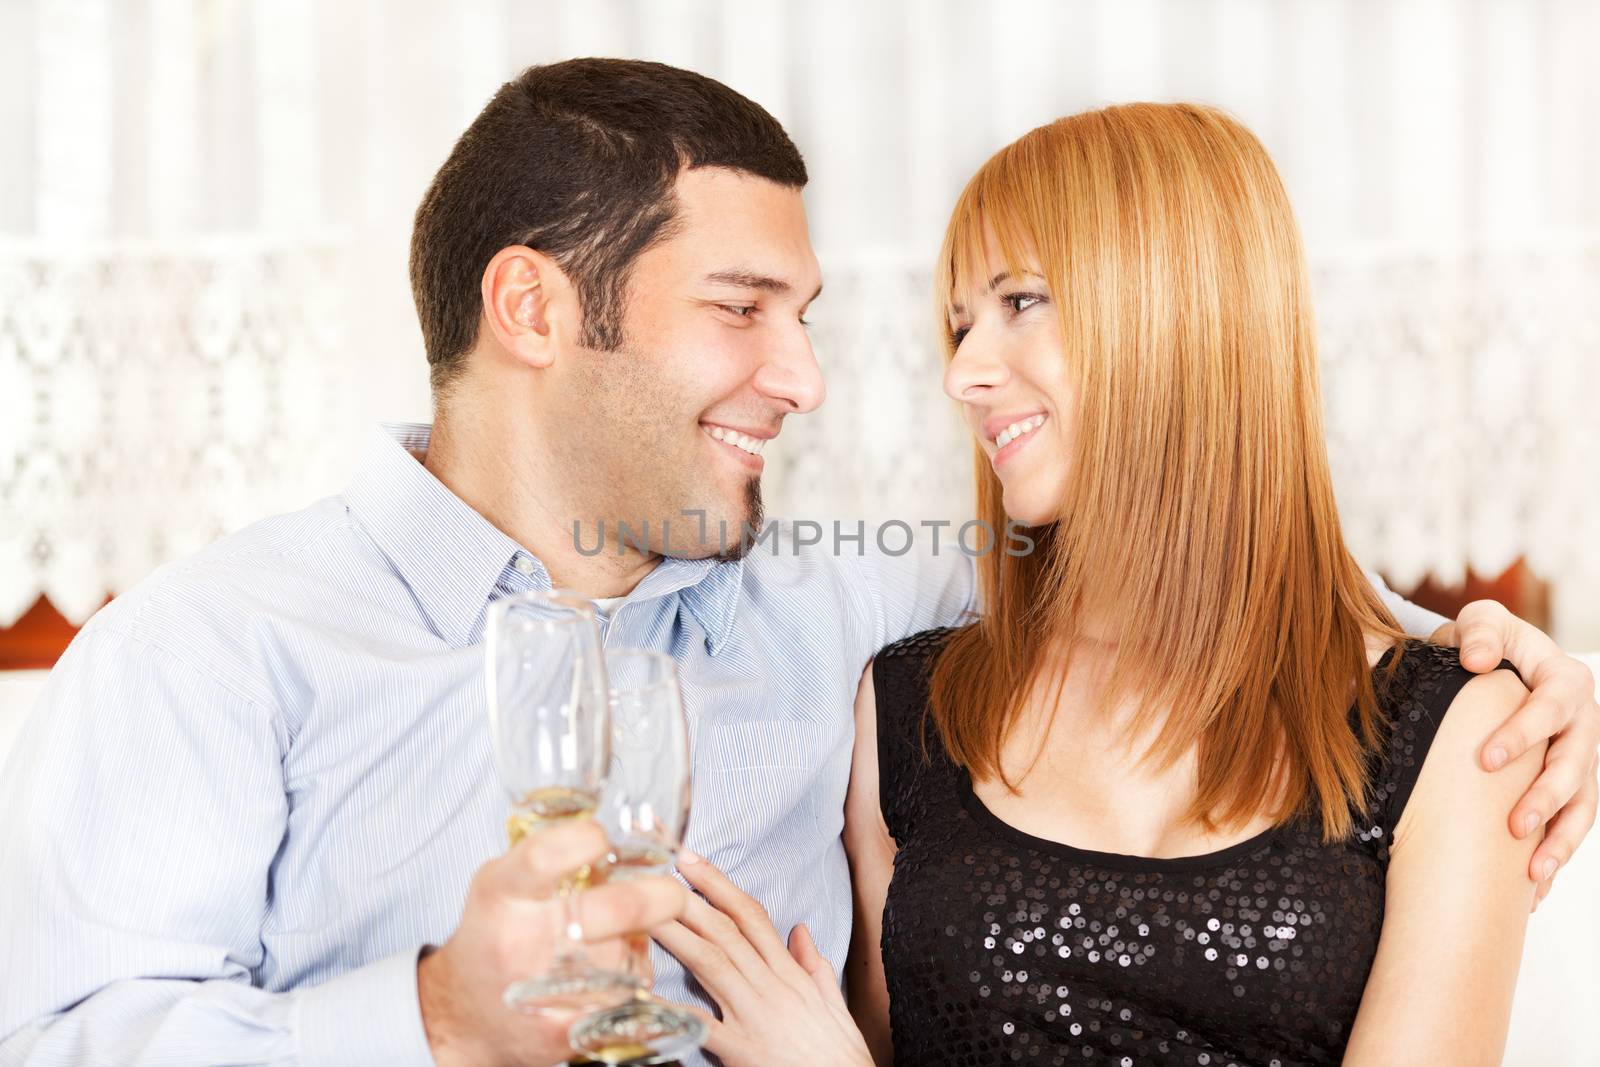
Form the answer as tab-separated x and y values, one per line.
743	311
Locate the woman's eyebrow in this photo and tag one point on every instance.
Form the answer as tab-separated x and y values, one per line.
1005	276
994	283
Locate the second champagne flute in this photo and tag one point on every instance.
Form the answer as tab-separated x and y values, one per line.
644	808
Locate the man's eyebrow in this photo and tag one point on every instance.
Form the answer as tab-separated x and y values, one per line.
749	279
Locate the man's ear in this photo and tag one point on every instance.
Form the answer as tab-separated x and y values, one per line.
529	304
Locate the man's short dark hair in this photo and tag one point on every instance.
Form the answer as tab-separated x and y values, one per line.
576	160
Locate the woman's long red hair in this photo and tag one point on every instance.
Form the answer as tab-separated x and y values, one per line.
1200	517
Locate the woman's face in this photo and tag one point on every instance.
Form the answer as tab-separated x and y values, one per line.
1010	375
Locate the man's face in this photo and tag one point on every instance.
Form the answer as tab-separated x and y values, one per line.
714	356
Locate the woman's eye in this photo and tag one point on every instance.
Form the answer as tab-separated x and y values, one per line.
1020	302
958	335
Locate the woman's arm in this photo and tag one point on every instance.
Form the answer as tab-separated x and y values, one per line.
779	1006
871	851
1456	902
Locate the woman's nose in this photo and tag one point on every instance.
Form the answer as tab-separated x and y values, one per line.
974	369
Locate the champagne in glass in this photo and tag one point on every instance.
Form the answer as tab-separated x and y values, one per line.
644	808
541	807
550	722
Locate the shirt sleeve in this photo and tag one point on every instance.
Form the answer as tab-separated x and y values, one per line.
144	806
1418	622
929	585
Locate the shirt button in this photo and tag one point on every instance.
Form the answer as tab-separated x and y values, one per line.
523	564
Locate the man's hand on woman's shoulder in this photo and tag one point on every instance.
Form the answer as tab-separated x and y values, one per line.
1560	708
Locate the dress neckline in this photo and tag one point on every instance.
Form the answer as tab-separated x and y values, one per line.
1223	857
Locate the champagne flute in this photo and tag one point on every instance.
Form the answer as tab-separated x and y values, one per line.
644	807
550	722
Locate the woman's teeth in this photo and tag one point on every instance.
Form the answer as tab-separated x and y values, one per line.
752	445
1017	429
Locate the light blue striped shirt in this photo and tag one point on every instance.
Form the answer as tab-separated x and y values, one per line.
260	781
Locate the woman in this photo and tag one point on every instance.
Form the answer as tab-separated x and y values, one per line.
1183	794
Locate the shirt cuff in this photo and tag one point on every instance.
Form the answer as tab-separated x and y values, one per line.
1415	621
367	1016
1418	622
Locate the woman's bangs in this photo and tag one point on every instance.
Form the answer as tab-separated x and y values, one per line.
966	268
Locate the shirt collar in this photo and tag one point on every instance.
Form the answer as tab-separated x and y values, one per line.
708	588
450	556
456	562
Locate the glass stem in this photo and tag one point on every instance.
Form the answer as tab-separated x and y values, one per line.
639	964
569	946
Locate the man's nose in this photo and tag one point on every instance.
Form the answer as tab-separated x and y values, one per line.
792	377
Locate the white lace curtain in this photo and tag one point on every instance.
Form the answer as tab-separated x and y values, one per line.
205	204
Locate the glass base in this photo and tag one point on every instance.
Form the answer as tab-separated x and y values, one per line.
566	990
639	1033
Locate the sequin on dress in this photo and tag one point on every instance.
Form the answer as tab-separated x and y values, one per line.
1003	948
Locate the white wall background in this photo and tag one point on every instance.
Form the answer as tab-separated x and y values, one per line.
205	207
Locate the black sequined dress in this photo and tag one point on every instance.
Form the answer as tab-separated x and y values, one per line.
1004	948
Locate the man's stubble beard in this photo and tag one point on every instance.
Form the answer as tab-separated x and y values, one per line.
755	514
716	541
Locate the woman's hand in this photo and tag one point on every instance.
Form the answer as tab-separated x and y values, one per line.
1561	707
780	1005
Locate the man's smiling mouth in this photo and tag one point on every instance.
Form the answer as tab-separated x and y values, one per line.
736	438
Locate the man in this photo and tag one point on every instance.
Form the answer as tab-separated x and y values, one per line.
259	786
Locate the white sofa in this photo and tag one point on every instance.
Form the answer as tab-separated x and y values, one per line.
1553	1022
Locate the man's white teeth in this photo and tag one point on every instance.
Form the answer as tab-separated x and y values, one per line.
752	445
1017	429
